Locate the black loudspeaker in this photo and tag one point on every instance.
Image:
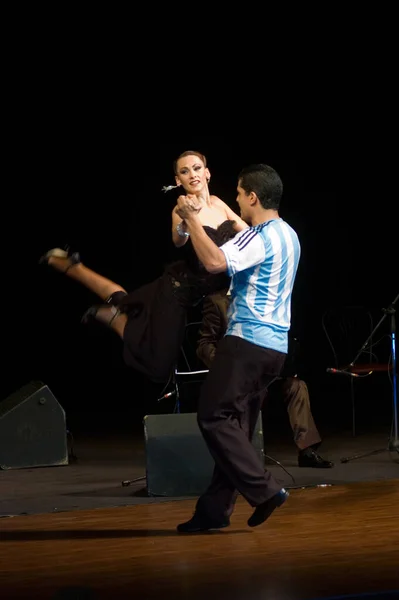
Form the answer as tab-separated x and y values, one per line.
33	429
178	462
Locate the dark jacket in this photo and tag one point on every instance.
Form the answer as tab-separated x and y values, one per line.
214	325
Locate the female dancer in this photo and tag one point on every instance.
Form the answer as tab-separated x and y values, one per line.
151	319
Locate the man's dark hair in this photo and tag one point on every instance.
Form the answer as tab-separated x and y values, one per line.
265	182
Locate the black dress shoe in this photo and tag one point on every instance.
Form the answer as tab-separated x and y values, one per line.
309	458
263	511
201	523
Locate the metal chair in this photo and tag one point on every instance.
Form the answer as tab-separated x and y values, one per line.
188	367
346	329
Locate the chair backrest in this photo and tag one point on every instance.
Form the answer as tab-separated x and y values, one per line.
190	372
347	328
189	360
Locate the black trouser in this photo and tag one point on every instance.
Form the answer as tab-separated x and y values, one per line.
228	409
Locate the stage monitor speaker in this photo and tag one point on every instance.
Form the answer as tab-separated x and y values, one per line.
178	462
33	429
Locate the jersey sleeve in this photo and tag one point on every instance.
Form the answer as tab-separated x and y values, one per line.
245	250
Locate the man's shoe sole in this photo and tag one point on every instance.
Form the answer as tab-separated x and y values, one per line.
185	528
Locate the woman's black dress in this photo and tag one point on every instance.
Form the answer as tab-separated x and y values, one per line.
157	311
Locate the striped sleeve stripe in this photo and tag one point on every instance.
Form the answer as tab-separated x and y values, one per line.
245	238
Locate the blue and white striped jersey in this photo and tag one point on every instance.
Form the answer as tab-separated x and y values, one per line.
262	261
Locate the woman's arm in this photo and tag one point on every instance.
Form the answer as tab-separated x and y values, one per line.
177	222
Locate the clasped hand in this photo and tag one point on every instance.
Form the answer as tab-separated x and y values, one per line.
187	206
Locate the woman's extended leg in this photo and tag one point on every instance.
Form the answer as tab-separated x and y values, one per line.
103	287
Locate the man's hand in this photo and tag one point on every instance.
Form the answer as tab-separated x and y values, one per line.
187	206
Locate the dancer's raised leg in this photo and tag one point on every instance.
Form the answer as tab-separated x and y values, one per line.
109	315
72	267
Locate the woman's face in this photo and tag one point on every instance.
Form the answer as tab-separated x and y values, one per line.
192	174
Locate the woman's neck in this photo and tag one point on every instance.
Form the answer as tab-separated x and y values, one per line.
204	196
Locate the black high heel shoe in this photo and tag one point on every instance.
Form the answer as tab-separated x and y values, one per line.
93	314
74	258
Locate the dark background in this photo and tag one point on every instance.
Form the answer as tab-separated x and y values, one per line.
93	117
98	188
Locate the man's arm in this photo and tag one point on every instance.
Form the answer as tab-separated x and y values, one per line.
246	249
207	251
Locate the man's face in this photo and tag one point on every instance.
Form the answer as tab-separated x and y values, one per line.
243	201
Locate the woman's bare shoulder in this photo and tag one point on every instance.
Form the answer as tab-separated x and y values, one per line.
218	202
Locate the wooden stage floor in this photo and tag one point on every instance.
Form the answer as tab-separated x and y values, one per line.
322	542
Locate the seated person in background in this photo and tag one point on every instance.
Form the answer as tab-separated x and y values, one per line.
293	390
